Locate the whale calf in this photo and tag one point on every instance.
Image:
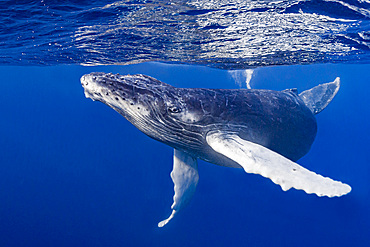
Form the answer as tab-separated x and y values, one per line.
262	131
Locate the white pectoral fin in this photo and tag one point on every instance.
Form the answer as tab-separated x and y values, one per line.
257	159
185	177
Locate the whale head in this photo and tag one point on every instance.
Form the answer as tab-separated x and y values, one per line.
150	105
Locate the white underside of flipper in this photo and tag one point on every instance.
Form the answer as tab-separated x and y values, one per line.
257	159
185	177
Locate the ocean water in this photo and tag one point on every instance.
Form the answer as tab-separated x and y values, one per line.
73	172
225	34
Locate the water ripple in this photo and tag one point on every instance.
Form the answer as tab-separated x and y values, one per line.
234	34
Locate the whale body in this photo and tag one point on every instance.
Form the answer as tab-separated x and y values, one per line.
262	131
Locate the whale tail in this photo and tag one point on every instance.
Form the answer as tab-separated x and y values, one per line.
317	98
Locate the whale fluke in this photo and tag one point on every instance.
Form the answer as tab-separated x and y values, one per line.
319	97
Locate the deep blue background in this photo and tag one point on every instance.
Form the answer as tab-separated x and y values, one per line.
75	173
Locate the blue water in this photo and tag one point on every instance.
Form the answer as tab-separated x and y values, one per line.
73	172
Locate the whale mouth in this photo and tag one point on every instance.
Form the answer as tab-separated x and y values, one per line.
89	86
117	92
97	84
143	101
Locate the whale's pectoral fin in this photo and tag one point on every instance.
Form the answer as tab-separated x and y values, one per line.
319	97
257	159
185	177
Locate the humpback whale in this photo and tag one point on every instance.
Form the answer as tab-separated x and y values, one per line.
261	131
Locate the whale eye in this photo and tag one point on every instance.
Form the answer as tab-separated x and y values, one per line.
174	109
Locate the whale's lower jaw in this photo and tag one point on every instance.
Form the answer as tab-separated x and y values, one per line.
144	111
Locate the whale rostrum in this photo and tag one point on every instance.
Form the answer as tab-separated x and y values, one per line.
262	131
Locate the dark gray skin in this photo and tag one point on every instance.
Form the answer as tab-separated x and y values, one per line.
182	117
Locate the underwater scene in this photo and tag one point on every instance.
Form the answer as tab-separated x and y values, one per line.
112	111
